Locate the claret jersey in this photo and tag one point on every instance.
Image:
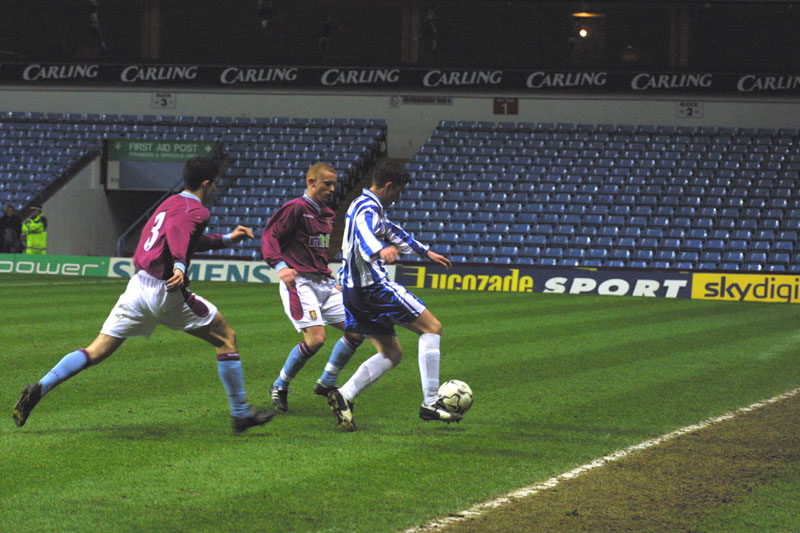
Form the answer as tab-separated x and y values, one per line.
299	234
173	234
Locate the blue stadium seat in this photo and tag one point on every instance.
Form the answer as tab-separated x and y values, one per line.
779	258
497	227
449	237
575	253
625	243
535	240
515	239
621	254
707	265
603	242
631	231
494	239
760	246
564	229
669	244
753	266
692	245
737	245
609	231
507	251
597	254
736	257
553	252
580	241
520	227
659	222
485	250
479	228
755	257
714	257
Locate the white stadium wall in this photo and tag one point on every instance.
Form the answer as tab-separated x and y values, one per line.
80	219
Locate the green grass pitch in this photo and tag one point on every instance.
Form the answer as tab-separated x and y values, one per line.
142	442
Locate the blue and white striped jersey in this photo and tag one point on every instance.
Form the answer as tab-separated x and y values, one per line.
366	232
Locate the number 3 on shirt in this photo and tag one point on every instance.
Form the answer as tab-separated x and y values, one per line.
159	220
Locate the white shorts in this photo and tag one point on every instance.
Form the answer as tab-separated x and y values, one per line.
315	301
146	303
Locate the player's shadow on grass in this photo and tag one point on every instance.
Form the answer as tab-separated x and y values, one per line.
164	431
154	432
129	432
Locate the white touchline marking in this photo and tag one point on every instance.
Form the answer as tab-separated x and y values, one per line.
480	508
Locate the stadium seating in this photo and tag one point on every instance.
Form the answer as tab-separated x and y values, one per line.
638	196
641	196
269	156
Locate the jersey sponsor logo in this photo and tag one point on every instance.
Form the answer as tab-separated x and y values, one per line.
319	241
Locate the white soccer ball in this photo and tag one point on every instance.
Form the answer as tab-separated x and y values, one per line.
456	396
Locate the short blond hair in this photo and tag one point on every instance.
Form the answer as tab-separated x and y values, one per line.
318	168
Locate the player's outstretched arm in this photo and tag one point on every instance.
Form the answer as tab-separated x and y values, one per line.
241	233
439	259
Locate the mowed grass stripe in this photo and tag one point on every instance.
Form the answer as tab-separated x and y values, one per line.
559	380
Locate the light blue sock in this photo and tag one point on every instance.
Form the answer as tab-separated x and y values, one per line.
294	362
340	355
230	372
70	364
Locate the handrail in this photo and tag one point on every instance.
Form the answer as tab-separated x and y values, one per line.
145	215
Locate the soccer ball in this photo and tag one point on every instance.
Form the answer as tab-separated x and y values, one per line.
456	396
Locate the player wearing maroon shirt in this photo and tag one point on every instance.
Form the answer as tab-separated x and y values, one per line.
159	294
295	243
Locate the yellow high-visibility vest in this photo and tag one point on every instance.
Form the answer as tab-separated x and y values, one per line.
35	232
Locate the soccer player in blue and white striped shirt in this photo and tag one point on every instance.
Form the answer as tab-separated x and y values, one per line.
374	304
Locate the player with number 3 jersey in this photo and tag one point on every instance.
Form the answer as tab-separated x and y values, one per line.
158	293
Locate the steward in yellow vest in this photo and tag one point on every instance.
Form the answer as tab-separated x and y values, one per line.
34	230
